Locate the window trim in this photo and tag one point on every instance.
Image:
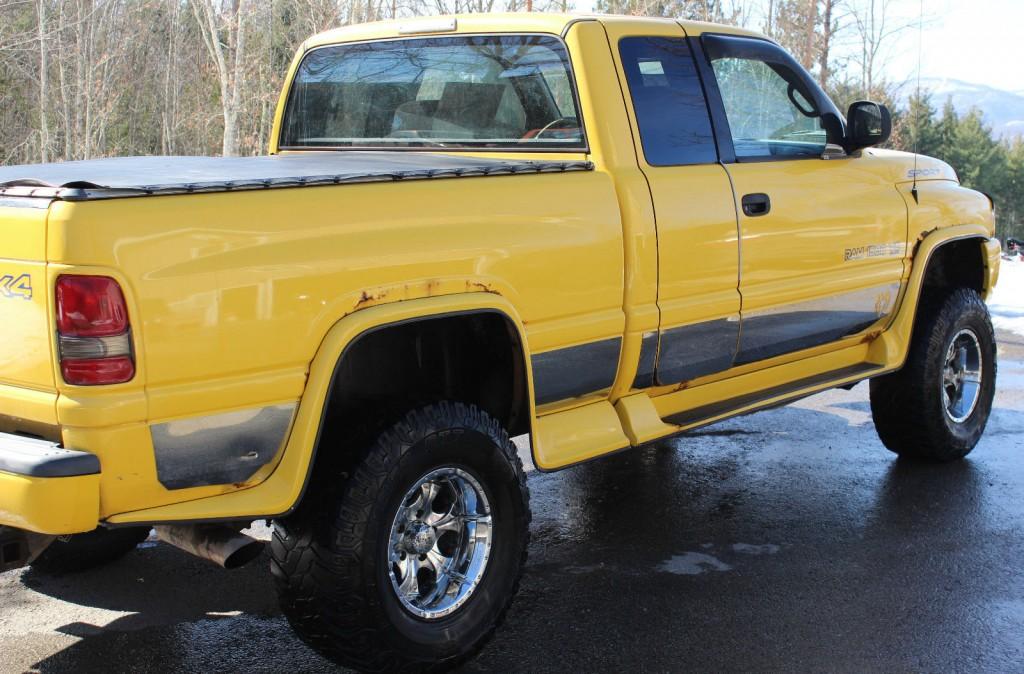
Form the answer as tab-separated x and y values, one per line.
584	148
635	119
780	56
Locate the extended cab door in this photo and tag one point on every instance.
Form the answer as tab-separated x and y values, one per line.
822	240
698	255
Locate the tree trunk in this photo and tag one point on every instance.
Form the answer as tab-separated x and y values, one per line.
809	34
826	44
44	126
230	87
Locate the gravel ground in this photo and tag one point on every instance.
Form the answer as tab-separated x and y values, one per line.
790	539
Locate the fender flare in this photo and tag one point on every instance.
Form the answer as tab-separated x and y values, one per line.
282	490
893	345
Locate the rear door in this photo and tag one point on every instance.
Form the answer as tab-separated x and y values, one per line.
822	235
698	255
25	353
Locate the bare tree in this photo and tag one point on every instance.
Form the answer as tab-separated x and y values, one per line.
828	31
876	28
44	93
229	58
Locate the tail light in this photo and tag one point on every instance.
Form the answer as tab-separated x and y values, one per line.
93	332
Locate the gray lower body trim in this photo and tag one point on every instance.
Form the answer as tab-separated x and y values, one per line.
219	449
648	361
41	458
698	414
576	370
774	332
691	351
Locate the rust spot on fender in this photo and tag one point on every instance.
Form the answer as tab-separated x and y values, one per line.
366	297
478	286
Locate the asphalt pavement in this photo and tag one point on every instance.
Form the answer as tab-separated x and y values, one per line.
786	540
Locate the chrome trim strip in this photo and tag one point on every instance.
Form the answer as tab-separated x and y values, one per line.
792	327
691	351
575	371
95	347
221	448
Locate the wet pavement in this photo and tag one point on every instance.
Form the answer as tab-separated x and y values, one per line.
790	539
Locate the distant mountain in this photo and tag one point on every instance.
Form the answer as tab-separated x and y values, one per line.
1003	110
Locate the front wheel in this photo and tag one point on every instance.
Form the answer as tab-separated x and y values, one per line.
413	562
936	407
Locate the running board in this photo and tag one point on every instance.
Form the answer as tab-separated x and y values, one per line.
777	395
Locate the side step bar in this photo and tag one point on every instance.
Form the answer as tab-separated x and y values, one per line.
794	390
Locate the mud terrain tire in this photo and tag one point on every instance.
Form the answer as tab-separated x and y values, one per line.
333	559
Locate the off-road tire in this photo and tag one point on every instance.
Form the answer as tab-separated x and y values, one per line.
907	405
81	552
329	558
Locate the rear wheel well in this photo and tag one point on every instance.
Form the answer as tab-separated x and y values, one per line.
475	358
957	264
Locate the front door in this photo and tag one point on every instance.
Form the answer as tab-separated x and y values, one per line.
698	253
822	235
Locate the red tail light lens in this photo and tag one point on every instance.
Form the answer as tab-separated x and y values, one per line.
90	306
94	371
93	331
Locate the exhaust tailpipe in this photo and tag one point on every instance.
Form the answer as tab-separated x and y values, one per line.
220	544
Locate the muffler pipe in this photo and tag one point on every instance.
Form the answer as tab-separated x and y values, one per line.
217	543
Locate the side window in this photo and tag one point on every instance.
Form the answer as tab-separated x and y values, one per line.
770	112
671	113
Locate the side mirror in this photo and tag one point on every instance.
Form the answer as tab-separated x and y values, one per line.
867	124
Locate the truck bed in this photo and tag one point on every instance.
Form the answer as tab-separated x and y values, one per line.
153	176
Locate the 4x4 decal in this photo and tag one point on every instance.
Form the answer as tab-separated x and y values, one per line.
20	286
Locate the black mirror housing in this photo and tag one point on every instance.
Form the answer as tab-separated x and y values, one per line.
867	124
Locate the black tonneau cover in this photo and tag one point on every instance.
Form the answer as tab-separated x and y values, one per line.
146	176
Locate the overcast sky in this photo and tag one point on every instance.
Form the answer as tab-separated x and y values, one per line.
979	41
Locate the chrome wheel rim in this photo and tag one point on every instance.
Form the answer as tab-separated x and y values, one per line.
961	376
440	542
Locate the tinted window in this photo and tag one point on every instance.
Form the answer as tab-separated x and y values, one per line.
771	113
456	92
668	101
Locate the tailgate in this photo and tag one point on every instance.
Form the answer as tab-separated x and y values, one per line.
25	344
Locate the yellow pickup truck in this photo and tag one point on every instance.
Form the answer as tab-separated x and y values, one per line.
590	232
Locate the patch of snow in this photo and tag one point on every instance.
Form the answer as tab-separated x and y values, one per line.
1006	304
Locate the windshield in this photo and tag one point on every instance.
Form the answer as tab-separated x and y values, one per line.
472	92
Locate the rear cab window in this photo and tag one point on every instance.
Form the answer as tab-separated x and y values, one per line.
507	92
668	101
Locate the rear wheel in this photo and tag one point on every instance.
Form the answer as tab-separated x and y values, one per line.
81	552
413	562
937	406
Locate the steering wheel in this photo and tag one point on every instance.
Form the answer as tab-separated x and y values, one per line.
559	123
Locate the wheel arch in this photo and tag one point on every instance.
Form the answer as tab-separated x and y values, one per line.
361	342
945	258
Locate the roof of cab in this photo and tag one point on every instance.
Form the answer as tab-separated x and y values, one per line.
519	22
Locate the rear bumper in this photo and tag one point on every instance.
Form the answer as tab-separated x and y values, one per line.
47	489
